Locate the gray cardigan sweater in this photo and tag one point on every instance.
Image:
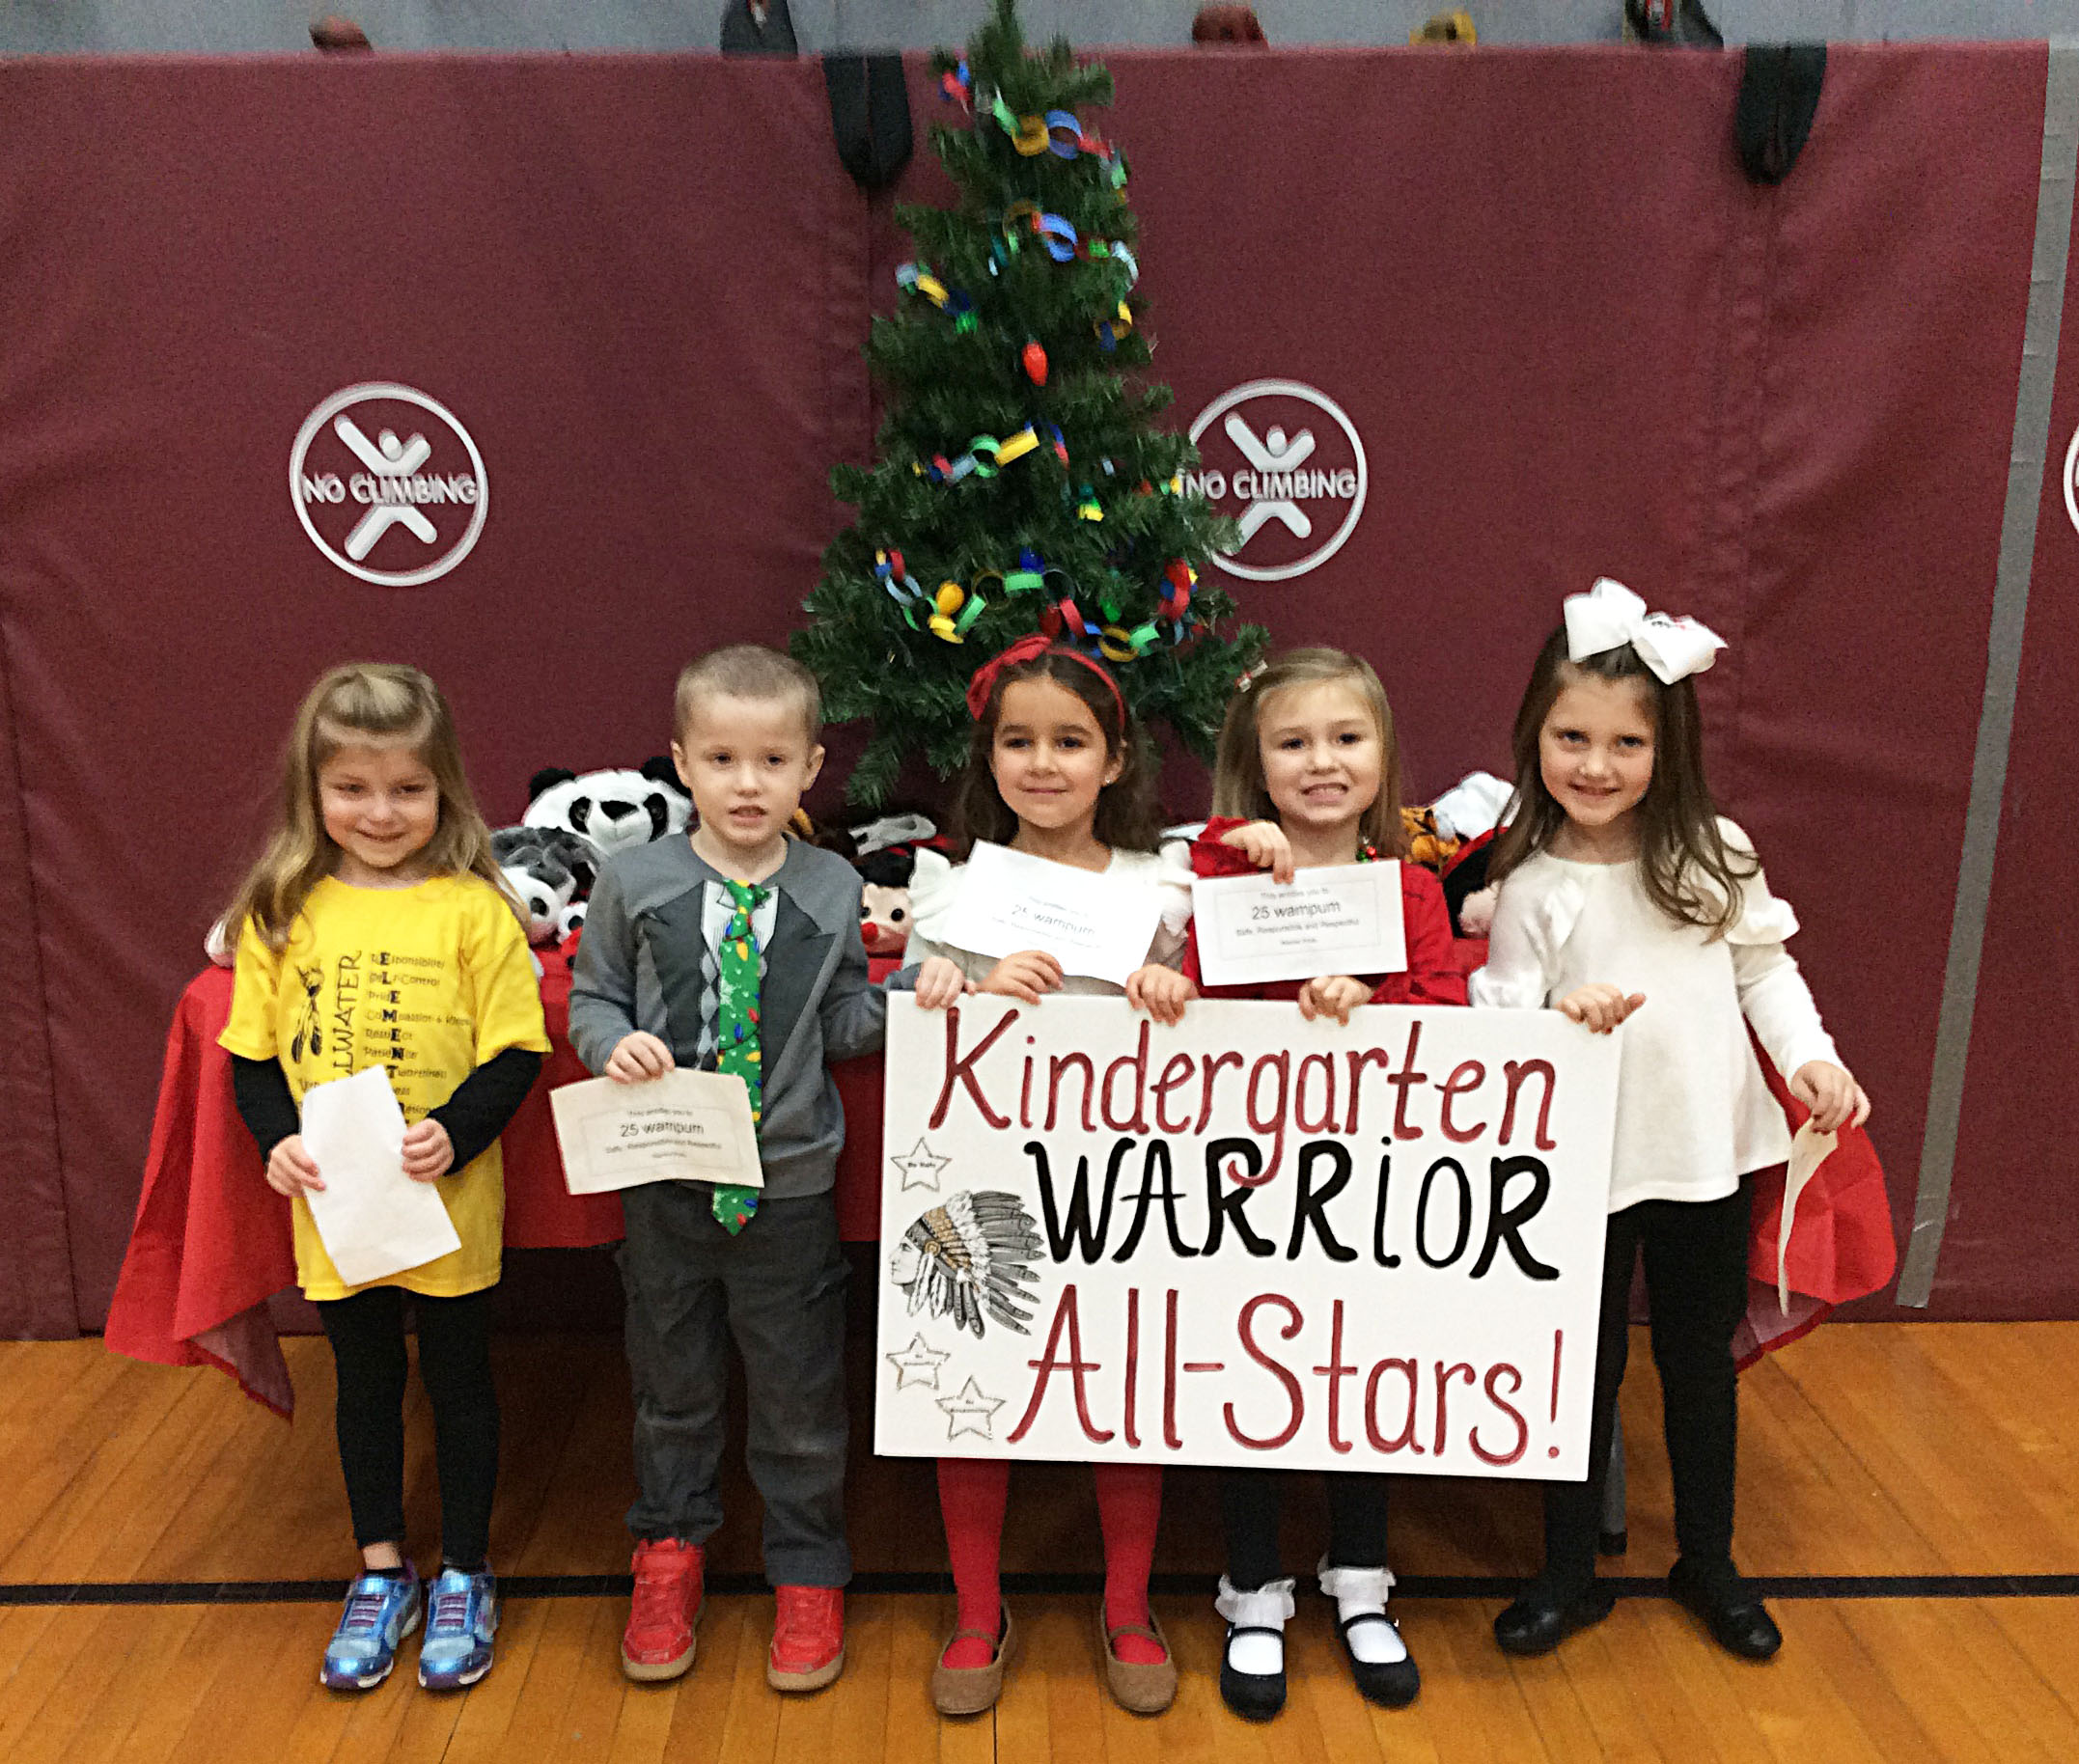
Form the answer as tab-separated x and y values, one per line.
639	968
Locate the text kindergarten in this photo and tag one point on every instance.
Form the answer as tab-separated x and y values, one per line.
1247	1239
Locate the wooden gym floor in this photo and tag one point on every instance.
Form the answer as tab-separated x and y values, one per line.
170	1556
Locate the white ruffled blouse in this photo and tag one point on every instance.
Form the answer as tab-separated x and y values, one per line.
1693	1111
936	888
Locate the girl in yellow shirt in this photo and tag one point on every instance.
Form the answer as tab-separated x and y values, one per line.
376	931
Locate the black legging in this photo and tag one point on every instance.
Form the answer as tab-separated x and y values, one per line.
1249	1503
1696	1288
367	1332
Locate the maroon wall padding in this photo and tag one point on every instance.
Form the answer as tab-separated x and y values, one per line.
36	1273
1888	368
618	272
1575	341
2010	1248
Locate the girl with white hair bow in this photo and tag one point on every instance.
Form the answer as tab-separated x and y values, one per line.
1626	895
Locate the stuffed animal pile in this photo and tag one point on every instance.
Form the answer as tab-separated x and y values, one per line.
574	820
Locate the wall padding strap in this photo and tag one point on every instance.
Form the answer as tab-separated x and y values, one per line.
2027	460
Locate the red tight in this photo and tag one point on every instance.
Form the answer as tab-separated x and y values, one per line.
972	1495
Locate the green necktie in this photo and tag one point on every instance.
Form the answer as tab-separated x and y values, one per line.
736	1032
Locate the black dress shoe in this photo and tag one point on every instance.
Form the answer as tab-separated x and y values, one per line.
1255	1697
1543	1618
1612	1543
1738	1621
1392	1684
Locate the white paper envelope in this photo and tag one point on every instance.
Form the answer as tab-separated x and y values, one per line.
373	1219
686	1126
1345	919
1093	924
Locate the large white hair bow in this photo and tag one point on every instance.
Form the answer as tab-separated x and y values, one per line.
1610	614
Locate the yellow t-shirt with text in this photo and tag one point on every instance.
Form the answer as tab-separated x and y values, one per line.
427	981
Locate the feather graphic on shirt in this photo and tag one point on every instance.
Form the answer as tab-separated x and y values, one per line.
310	1020
971	1256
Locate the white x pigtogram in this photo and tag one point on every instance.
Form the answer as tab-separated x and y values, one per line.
1272	454
388	458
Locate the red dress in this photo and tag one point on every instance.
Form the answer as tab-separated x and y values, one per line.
1431	976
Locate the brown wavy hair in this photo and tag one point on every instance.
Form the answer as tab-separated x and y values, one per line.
1686	866
1127	817
1238	786
379	704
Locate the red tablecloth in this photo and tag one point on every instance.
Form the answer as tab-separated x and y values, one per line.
211	1240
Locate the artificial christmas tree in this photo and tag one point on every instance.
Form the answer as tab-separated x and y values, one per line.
1021	482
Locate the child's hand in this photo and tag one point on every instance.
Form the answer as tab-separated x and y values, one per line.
1162	992
1333	995
1602	1008
1024	976
1264	844
940	983
429	1152
1834	1098
290	1167
638	1056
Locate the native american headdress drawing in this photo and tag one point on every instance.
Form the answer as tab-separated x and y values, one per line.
971	1255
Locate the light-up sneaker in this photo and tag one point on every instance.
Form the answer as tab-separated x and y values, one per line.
381	1611
461	1616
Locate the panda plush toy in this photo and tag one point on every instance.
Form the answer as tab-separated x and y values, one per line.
548	869
611	809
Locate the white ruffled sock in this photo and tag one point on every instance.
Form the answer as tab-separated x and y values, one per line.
1360	1593
1269	1607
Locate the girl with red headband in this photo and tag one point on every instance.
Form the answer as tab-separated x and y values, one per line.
1056	770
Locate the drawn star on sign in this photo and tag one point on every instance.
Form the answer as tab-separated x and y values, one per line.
970	1412
917	1364
920	1170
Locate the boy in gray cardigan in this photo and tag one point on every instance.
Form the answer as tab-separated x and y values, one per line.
737	949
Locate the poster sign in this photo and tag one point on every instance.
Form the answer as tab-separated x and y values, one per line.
1244	1239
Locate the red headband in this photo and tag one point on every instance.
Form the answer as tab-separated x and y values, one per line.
1025	650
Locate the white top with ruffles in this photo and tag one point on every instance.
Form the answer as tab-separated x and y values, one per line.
1693	1111
936	888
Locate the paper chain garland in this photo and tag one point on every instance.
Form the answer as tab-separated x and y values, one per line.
1059	133
1062	244
1112	639
987	455
951	611
952	302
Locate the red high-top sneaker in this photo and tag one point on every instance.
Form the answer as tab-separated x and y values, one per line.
807	1638
659	1642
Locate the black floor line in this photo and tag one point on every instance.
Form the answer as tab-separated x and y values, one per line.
1407	1586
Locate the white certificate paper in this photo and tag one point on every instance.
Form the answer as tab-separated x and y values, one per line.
1091	922
371	1218
686	1126
1342	920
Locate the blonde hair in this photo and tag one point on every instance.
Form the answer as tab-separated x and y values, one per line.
1238	786
747	671
381	705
